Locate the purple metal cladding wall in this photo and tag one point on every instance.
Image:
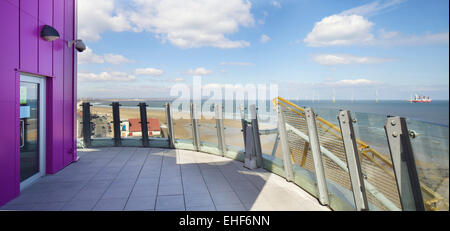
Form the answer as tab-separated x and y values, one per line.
23	50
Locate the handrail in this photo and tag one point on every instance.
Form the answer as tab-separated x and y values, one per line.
370	188
364	148
334	127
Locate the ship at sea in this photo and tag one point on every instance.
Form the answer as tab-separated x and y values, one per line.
420	99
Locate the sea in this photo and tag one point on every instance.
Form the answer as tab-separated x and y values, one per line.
436	112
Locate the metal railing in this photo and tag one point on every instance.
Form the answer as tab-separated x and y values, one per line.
322	156
380	176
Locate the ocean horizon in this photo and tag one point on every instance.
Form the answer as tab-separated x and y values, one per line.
436	112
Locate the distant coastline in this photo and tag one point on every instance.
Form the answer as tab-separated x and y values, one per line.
436	112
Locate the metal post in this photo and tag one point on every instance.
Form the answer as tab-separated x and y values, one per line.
317	156
402	156
171	134
353	162
250	157
305	153
256	138
244	123
116	123
220	128
144	124
275	145
87	126
195	134
285	146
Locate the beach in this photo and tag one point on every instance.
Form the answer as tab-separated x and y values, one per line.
102	116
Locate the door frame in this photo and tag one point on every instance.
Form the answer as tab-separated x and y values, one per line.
42	127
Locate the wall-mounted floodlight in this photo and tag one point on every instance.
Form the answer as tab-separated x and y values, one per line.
79	45
49	33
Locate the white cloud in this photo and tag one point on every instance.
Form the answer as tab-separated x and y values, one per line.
264	38
88	56
236	64
337	59
96	17
117	59
373	8
198	71
393	38
340	30
149	71
276	4
263	20
191	24
351	27
106	76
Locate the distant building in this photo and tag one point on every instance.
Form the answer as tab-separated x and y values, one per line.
132	127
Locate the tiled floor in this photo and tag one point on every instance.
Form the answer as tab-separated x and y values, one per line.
160	179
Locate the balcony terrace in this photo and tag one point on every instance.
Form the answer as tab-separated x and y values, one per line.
138	179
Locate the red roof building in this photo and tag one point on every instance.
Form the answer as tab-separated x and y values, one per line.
153	125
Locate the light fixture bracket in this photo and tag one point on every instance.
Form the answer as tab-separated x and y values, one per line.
70	44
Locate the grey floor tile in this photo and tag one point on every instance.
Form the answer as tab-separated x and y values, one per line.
192	188
231	207
219	187
117	192
147	182
175	189
18	207
221	198
201	208
143	191
175	203
51	206
198	199
116	204
89	194
79	205
141	203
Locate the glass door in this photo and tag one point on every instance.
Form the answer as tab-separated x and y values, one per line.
32	132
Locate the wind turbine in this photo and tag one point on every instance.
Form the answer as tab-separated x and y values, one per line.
334	96
376	95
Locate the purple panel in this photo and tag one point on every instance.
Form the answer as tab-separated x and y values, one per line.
55	89
29	34
68	83
9	60
75	74
15	3
45	48
21	47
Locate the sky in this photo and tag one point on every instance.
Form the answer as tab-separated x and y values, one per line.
347	49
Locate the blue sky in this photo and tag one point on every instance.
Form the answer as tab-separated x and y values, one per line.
321	48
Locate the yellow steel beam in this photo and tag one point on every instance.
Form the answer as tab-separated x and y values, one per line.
305	153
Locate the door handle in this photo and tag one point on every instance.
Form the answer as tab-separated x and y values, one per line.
22	133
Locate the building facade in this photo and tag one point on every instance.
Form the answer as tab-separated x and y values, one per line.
38	96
